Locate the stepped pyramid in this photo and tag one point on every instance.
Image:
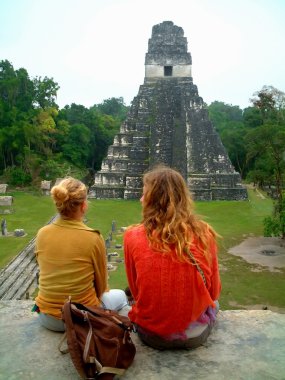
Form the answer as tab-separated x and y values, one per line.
168	123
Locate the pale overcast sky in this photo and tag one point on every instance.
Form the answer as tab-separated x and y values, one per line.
95	49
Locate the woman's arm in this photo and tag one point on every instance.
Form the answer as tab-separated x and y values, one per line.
215	288
130	265
100	267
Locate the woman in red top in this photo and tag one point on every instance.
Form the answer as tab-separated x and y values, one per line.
172	266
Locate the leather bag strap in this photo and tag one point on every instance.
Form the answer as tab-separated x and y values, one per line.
71	335
195	263
62	340
116	371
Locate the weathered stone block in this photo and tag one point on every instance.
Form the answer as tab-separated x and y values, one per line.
123	139
202	195
58	180
137	167
6	200
234	194
138	154
111	165
132	194
45	185
195	183
3	188
109	193
134	182
115	151
113	179
19	232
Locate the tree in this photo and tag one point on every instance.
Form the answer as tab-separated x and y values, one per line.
268	139
8	84
233	138
25	91
252	117
228	121
45	92
76	146
269	100
21	123
114	107
16	88
266	143
103	134
76	114
102	128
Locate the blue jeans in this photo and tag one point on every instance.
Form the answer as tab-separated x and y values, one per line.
115	299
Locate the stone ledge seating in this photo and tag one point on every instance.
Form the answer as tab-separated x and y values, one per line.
243	345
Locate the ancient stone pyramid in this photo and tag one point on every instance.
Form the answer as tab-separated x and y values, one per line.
168	123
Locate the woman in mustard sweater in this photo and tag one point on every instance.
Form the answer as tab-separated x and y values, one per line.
172	266
72	259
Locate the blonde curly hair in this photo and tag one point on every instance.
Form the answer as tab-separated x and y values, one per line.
68	195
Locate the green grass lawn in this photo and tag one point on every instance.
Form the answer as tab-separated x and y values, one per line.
233	220
30	211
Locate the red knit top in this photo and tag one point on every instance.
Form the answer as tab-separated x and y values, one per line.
168	294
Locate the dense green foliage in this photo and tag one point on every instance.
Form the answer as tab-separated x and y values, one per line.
255	141
38	141
255	137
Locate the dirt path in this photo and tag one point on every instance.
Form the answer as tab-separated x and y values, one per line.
268	252
265	251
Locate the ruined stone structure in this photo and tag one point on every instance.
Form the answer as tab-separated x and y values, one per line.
168	124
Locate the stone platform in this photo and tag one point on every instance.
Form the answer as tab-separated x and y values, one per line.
247	345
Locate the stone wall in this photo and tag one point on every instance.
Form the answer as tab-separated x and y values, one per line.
3	188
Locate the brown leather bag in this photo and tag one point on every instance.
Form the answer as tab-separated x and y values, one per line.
98	340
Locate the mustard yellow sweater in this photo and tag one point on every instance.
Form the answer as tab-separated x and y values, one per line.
72	262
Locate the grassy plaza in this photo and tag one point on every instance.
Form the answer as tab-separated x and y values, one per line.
244	284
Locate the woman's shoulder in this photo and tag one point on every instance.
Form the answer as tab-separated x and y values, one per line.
93	235
44	229
135	230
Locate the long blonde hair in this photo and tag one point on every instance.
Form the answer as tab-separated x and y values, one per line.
168	214
68	195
